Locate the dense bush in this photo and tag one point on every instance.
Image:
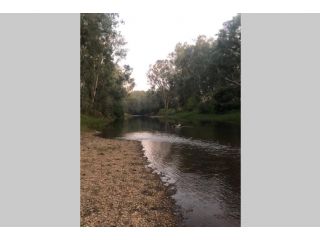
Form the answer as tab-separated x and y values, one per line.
170	111
103	82
227	99
142	103
118	110
191	104
206	107
204	76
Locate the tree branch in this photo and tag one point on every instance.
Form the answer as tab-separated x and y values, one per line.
231	81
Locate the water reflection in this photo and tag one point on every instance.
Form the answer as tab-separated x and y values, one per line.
202	161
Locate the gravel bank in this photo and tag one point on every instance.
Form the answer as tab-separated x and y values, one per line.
116	187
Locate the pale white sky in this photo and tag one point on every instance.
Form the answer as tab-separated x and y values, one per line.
153	35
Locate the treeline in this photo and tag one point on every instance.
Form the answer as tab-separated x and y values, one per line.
203	77
143	103
104	83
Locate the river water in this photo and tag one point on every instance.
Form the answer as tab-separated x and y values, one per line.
201	161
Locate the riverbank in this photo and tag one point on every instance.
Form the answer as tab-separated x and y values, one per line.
93	123
116	187
230	117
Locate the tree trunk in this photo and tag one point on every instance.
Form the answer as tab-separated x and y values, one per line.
166	107
95	87
166	104
96	82
232	81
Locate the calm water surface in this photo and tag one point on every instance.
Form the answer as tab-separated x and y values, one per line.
201	161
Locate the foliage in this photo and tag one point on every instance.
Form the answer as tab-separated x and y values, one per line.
104	83
142	103
93	123
206	107
169	111
191	103
226	56
227	99
203	76
230	117
160	77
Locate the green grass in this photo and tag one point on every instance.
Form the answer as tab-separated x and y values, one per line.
93	123
231	117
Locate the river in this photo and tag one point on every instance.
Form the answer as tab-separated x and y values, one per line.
201	161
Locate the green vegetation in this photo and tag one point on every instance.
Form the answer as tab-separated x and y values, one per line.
93	123
104	82
199	81
143	103
230	117
196	81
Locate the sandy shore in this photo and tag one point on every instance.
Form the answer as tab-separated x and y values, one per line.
116	187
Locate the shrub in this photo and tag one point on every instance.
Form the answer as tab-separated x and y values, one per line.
191	104
206	107
227	99
170	111
118	110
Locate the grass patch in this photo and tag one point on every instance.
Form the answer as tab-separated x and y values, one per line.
231	117
93	123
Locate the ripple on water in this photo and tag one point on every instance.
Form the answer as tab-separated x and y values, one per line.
206	176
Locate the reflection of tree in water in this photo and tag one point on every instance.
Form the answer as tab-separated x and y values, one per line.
114	129
136	124
223	133
218	176
208	176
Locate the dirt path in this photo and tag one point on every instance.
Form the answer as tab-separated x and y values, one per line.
117	189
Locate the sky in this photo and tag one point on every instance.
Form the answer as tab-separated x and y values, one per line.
153	35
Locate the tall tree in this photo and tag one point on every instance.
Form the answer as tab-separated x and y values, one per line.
202	76
160	77
103	80
227	54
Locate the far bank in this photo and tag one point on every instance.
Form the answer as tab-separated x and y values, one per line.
233	117
230	117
